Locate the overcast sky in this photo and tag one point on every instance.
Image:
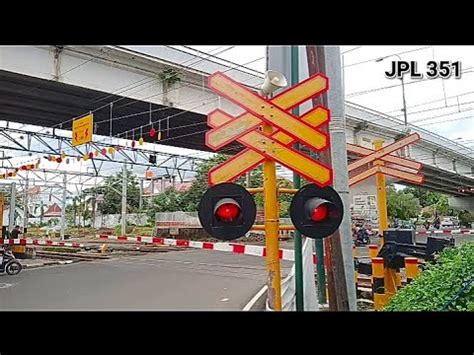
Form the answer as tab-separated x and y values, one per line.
442	106
362	73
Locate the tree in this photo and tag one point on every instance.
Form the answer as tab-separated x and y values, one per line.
192	197
465	218
442	205
401	204
426	197
112	190
169	200
199	186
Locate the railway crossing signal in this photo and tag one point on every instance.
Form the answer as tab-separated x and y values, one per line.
227	211
371	156
268	129
276	146
316	212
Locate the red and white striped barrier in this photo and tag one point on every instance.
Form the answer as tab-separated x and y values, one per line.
28	241
445	231
256	250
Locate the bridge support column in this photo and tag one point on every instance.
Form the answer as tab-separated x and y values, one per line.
463	203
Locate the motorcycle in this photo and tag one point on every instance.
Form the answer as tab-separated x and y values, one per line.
9	263
361	237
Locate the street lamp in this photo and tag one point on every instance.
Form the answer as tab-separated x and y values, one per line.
403	88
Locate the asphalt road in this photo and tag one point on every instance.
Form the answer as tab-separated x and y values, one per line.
180	280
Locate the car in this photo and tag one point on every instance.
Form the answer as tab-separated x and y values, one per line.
447	223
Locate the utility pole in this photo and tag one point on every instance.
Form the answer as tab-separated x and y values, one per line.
2	203
327	60
11	217
25	204
140	201
124	199
298	243
63	206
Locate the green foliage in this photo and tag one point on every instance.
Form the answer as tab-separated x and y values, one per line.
465	218
426	197
112	203
401	204
52	222
128	229
170	200
426	215
192	197
442	205
439	283
170	76
199	186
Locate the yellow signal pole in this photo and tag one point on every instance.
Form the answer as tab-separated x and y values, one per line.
270	193
389	274
2	201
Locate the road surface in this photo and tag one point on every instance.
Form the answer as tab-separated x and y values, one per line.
178	280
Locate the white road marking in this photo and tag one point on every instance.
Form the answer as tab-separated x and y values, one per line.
255	298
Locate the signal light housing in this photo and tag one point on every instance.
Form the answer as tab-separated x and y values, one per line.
227	211
316	212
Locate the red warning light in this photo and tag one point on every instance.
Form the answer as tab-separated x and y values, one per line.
320	213
228	212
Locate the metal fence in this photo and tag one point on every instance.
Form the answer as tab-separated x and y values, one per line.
190	219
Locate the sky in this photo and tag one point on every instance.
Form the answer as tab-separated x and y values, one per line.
444	106
453	98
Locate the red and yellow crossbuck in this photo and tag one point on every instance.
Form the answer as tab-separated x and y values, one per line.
374	157
287	129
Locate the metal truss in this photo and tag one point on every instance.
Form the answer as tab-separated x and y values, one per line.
52	143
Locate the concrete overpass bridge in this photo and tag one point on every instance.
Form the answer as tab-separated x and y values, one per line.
132	89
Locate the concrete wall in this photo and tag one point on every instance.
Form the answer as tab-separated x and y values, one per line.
464	203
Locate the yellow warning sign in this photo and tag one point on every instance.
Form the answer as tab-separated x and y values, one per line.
82	130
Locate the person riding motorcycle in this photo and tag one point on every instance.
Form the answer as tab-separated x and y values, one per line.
361	235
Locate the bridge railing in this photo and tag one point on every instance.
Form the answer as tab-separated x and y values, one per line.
398	125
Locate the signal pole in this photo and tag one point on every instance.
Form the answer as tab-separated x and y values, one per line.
271	229
298	243
124	200
336	104
327	60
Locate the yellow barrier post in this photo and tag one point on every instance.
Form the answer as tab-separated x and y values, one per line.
398	279
390	274
411	268
356	274
373	250
378	285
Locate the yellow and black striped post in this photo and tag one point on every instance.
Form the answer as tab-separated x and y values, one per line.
411	268
398	278
356	274
373	250
378	283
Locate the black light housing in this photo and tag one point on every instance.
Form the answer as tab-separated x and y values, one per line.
316	212
227	211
